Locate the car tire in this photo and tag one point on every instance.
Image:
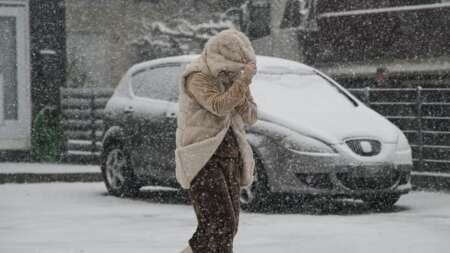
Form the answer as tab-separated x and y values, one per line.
256	196
382	201
117	174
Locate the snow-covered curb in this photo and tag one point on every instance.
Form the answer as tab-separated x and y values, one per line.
46	168
48	172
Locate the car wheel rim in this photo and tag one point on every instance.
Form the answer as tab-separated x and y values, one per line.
247	195
115	166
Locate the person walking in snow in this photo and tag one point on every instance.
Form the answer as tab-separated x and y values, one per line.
213	158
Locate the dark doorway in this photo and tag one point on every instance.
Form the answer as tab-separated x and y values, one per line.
48	51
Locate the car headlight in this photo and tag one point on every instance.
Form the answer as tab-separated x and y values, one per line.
304	144
403	150
402	143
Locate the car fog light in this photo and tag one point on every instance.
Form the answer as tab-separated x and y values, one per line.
405	178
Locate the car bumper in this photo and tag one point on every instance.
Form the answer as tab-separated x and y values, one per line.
338	176
338	191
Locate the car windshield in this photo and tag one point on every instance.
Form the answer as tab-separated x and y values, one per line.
301	85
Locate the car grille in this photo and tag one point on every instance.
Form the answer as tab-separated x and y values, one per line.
316	180
369	183
364	147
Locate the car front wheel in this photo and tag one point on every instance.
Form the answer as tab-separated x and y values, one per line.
117	173
256	196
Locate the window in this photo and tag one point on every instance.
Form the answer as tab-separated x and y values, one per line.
299	13
259	19
291	17
8	69
159	82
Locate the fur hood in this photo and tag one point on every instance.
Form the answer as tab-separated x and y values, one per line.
228	50
199	130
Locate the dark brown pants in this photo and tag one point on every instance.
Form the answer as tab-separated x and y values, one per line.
215	197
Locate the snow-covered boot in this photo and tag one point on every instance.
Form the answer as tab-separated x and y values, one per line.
187	250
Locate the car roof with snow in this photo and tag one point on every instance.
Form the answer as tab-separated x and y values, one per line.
265	64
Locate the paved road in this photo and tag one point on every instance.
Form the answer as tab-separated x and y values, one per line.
81	217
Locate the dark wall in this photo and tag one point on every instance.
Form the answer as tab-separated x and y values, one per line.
48	52
421	34
348	5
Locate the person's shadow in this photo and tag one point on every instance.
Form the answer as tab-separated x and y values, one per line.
292	204
279	203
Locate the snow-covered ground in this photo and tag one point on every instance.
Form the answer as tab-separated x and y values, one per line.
81	217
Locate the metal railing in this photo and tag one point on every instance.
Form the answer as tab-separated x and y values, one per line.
423	114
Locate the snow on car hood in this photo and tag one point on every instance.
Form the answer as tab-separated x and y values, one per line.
310	105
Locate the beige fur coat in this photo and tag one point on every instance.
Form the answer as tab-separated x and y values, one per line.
206	108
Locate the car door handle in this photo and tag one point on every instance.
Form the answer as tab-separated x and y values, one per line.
171	115
128	110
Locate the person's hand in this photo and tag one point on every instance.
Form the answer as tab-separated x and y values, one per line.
249	71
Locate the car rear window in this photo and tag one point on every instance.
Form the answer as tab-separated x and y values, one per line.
160	82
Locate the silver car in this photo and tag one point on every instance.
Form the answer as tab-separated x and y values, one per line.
312	137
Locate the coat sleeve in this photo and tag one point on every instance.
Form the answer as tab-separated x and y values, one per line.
211	98
248	109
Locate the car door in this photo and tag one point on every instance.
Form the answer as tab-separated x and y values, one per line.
155	90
